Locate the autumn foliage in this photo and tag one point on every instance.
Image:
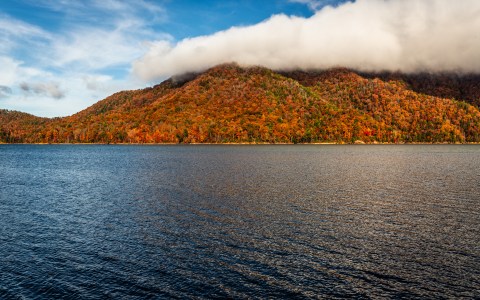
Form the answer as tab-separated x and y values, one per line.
232	104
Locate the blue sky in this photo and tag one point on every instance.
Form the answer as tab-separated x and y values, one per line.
60	56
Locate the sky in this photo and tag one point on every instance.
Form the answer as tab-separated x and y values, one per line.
58	57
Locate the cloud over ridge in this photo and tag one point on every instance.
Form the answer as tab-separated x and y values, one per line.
367	35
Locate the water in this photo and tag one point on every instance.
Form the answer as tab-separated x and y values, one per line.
134	222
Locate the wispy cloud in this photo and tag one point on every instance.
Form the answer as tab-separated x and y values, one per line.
95	10
93	49
14	33
18	28
101	34
316	5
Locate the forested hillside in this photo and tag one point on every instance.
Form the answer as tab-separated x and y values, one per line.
230	104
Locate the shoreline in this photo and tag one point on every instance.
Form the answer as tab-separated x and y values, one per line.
234	144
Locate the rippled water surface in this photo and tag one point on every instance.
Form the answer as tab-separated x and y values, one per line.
314	221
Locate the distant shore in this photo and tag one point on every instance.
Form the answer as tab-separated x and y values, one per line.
244	143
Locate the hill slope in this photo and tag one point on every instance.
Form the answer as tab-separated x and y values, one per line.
232	104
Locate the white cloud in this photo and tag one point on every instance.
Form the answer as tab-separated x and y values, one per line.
369	35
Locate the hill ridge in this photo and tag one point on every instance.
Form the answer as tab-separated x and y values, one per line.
229	103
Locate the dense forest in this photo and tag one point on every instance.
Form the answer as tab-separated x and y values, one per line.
230	104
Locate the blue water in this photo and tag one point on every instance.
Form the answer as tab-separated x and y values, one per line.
135	222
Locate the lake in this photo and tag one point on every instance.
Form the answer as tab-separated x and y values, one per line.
296	221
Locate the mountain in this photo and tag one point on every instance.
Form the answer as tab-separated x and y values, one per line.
228	103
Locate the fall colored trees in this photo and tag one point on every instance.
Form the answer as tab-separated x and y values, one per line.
232	104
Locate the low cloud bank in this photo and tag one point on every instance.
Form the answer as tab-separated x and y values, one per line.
367	35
